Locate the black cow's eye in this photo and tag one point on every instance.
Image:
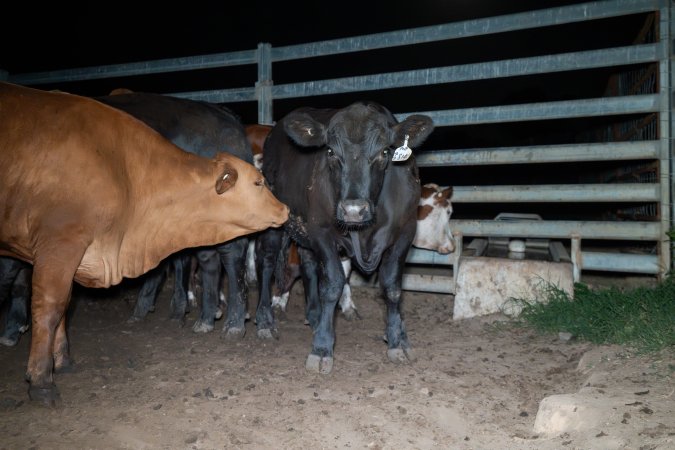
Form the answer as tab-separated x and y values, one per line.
385	152
331	153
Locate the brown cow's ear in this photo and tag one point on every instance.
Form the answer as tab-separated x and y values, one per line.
227	179
427	191
447	192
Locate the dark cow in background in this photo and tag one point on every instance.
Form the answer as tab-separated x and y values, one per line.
352	188
90	194
204	129
15	290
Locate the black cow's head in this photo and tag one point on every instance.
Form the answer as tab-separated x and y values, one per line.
357	143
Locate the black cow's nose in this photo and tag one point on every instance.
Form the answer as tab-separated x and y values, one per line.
354	211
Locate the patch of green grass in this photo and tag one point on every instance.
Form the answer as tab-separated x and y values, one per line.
642	318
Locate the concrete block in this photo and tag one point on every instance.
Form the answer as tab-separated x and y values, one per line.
486	285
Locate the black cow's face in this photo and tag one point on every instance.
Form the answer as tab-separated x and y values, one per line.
357	145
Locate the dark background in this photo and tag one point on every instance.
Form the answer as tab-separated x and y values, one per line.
59	35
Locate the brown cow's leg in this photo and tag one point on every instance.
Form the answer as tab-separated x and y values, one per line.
62	361
52	287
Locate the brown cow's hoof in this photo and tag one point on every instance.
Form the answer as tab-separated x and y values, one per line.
48	396
401	355
65	368
322	365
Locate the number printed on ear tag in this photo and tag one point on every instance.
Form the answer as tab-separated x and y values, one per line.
403	152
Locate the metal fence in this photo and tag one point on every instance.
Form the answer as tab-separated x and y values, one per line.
645	93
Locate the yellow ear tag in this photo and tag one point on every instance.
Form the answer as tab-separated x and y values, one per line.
403	152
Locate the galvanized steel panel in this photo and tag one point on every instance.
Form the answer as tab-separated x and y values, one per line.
139	68
563	229
471	72
577	193
469	28
630	104
618	262
613	151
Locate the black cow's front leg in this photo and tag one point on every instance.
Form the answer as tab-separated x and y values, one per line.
15	280
268	247
233	257
331	283
310	281
390	275
147	295
209	267
179	300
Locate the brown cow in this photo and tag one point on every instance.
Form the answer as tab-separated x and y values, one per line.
90	194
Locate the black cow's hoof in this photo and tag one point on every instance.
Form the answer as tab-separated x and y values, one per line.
401	355
319	364
351	314
9	342
201	327
233	333
268	333
48	396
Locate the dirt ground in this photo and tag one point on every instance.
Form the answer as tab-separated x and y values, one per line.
476	384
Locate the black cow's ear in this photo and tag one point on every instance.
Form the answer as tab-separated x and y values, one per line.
304	130
227	179
417	126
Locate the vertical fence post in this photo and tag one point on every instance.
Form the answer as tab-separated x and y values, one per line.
577	258
666	166
263	87
459	244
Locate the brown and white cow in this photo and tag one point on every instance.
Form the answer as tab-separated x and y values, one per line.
92	195
433	219
256	135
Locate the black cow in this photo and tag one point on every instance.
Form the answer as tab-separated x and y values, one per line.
202	128
348	194
15	288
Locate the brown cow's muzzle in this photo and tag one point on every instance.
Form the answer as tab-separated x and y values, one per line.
283	216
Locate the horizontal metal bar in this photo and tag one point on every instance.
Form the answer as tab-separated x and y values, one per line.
612	151
220	96
601	261
469	28
479	71
620	262
138	68
578	193
563	229
630	104
428	283
423	256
